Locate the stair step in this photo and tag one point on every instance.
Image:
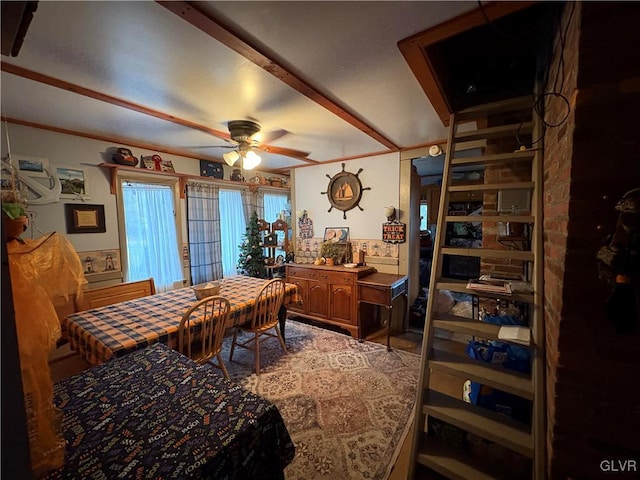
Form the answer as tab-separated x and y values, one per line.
502	106
485	373
490	218
484	187
488	252
454	463
460	286
467	326
495	132
480	421
517	156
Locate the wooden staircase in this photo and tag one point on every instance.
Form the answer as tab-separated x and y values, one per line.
453	459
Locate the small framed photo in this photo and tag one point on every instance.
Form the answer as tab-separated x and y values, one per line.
32	166
336	234
82	218
73	182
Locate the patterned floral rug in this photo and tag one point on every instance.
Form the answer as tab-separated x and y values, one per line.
347	405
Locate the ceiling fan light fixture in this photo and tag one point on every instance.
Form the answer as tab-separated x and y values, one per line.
231	157
251	160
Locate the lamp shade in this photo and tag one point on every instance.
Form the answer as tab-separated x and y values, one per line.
231	157
389	212
251	160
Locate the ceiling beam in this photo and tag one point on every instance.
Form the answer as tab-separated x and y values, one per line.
87	92
116	140
215	28
71	87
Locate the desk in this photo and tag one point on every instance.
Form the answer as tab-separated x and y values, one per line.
157	414
101	334
382	289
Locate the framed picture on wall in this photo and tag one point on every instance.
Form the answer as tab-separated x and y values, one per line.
32	166
73	182
336	234
83	218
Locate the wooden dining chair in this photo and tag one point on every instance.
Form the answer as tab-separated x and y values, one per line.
201	331
101	297
264	321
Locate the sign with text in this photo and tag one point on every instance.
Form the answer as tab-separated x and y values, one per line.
394	232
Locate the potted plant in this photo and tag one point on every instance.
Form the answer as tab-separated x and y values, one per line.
14	210
334	253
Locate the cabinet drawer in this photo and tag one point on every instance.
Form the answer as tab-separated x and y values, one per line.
321	275
377	295
301	272
339	278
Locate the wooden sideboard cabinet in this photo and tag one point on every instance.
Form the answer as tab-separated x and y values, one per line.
329	294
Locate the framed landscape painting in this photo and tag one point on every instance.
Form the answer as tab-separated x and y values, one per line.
73	182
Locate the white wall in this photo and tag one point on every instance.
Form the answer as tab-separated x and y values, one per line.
70	150
381	173
61	149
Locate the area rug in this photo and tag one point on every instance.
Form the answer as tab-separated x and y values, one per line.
348	405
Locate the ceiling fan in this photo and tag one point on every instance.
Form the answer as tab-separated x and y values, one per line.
241	133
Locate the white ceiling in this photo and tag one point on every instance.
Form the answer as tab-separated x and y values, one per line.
144	54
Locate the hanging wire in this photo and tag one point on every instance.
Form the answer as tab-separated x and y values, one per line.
556	91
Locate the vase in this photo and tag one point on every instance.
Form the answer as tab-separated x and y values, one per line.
15	227
329	261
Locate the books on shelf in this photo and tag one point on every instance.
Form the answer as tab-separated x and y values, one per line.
515	334
502	287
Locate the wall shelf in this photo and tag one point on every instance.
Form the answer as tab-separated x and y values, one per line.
182	177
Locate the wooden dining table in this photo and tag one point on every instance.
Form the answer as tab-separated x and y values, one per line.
104	333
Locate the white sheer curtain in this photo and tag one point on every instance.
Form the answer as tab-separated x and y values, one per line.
232	229
203	224
151	237
274	203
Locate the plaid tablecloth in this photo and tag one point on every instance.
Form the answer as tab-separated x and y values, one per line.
157	414
101	334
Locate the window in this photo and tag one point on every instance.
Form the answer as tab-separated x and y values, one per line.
150	233
273	205
232	230
423	217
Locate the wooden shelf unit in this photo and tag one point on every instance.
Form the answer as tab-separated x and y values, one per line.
527	440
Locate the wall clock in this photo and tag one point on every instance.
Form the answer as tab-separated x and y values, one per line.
344	191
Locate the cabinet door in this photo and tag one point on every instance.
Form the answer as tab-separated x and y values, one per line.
318	299
303	289
342	304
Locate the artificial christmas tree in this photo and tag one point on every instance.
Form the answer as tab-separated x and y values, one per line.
251	261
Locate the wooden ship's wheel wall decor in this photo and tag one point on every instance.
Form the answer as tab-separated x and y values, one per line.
345	191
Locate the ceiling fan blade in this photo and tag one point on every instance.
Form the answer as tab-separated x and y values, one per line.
210	146
272	136
287	152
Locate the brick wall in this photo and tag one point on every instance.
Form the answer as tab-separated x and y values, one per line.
590	161
515	172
